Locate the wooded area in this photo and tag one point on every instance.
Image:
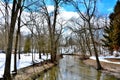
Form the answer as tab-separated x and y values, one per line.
91	33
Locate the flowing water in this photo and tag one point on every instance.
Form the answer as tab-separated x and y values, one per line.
71	68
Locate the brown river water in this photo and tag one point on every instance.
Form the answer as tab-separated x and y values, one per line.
71	68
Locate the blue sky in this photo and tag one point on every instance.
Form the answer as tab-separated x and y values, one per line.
105	7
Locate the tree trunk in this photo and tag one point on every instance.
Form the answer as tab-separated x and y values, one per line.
88	44
15	53
16	43
52	51
19	46
40	54
15	9
9	50
95	50
6	25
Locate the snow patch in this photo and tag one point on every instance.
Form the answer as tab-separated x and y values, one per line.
103	58
26	60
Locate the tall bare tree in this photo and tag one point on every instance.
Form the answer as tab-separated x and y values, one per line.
15	10
90	7
16	42
51	18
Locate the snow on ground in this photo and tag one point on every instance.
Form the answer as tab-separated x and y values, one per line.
26	60
67	50
102	58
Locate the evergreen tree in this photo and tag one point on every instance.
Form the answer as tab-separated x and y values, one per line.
116	25
107	41
112	32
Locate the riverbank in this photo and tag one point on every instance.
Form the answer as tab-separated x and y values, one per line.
109	68
68	65
25	61
32	72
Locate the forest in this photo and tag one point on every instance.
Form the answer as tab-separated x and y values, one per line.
40	32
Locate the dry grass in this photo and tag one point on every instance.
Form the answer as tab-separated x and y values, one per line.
113	59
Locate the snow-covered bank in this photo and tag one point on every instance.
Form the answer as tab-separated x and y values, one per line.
26	60
104	59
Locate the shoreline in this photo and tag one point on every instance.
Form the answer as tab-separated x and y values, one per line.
108	68
32	72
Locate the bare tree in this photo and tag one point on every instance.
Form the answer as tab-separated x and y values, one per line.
16	42
51	18
15	10
82	34
22	7
5	24
90	7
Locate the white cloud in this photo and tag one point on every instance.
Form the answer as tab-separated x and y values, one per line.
110	9
50	8
65	15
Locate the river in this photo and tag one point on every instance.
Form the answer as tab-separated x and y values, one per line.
71	68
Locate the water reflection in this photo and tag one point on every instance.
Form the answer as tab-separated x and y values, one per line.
71	68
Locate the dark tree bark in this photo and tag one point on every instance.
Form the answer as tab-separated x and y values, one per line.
40	54
15	9
16	42
53	52
95	50
19	46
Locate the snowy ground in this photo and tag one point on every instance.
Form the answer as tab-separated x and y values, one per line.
102	58
67	50
26	60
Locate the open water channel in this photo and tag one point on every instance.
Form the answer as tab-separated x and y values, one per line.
71	68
